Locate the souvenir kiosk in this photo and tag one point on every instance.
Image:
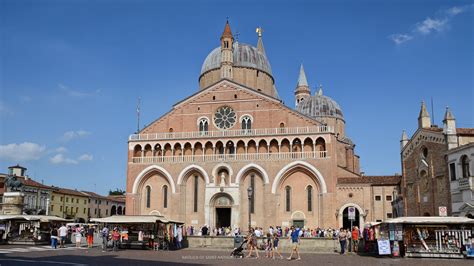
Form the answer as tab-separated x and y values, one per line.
28	229
142	231
434	237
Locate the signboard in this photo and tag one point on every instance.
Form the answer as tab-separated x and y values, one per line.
443	211
384	247
352	213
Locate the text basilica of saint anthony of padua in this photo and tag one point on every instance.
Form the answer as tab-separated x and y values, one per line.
196	162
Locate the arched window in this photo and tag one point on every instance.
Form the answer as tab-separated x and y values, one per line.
165	196
320	144
288	198
148	195
246	123
196	184
465	166
203	126
310	198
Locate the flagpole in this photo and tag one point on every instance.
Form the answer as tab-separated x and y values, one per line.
138	116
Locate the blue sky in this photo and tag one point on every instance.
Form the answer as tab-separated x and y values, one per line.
71	72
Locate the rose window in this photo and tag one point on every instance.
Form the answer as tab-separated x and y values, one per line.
225	117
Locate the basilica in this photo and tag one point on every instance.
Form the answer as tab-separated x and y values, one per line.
234	148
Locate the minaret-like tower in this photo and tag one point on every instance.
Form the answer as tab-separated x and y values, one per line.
449	129
404	140
227	52
424	120
302	90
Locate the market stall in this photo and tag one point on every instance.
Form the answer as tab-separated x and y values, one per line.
28	229
142	231
441	237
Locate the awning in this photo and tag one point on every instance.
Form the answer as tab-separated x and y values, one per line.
41	218
130	219
430	220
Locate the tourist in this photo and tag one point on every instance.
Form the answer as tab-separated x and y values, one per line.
90	236
275	242
179	238
204	230
342	240
62	234
105	238
268	246
54	238
295	241
252	243
355	239
78	237
115	239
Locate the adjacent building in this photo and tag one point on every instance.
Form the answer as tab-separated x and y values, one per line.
36	195
461	169
103	206
69	204
432	168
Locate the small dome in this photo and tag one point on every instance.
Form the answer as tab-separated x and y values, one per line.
320	106
245	55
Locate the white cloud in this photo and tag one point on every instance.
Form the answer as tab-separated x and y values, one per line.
400	38
86	157
61	159
429	25
26	151
76	93
70	135
61	149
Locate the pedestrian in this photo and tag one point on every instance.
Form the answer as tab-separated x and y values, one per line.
105	238
252	241
355	239
90	236
115	239
268	246
54	237
78	237
179	238
62	234
342	240
276	240
295	241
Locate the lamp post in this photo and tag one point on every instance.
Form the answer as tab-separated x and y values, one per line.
250	195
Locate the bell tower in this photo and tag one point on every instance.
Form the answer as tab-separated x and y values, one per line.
227	52
302	90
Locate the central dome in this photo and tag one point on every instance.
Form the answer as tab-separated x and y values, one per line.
320	105
245	55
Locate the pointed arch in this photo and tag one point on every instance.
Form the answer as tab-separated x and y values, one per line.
148	170
191	168
296	164
249	167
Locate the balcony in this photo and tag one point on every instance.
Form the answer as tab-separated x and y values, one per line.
232	133
232	157
466	183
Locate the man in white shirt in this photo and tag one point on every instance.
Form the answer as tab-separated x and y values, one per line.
62	235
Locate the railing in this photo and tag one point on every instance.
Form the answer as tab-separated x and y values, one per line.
232	133
232	157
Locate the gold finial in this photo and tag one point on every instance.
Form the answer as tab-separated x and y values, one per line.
259	30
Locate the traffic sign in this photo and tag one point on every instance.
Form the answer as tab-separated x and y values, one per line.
352	213
443	211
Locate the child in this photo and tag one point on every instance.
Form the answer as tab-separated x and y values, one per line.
268	246
275	246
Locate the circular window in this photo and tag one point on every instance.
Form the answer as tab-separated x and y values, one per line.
224	117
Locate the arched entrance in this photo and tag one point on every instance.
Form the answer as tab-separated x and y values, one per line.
222	204
346	222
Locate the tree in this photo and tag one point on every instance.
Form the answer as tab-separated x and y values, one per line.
116	192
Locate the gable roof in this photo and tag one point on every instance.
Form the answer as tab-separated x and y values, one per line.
248	89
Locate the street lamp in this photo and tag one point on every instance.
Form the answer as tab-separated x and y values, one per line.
250	195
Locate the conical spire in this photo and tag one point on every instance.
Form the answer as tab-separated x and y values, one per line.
320	91
404	135
448	115
423	111
302	78
227	32
260	47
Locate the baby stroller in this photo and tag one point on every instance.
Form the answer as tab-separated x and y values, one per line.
237	252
